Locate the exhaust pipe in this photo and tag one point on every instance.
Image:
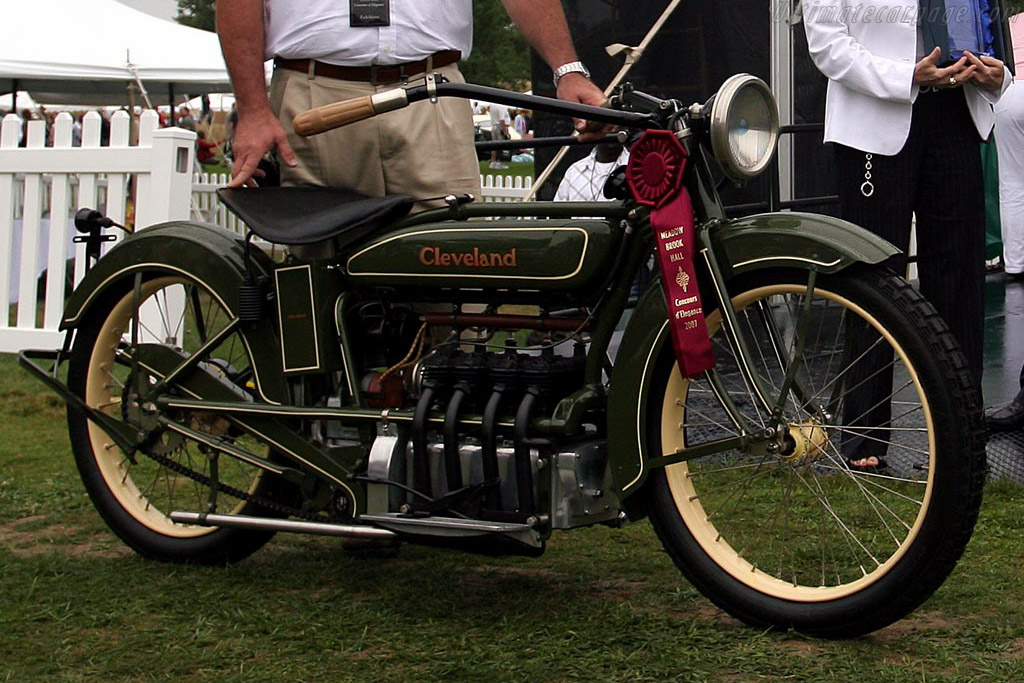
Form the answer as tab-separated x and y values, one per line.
420	459
286	525
523	465
452	462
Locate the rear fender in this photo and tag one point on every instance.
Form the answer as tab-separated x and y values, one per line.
209	254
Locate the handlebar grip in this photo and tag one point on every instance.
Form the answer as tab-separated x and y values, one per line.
337	114
333	115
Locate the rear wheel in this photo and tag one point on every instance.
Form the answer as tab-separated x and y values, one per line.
790	532
136	493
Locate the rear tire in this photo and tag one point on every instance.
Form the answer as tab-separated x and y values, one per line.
799	538
135	495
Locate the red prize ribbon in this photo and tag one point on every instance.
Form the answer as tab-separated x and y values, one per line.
655	174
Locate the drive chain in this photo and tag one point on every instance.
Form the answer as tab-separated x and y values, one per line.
231	490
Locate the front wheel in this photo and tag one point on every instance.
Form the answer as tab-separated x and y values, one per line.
860	505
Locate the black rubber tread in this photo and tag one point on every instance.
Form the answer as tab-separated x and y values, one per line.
956	405
220	546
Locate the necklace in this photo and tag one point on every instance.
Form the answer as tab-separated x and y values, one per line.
601	170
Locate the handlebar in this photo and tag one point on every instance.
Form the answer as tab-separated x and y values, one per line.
328	117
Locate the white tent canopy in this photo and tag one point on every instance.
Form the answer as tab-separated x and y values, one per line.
91	51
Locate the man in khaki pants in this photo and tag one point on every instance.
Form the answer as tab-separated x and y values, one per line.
330	50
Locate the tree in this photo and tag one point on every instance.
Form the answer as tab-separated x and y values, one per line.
197	14
501	56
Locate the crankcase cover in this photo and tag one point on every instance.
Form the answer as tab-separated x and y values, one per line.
559	255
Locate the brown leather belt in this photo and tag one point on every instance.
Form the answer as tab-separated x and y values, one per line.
385	73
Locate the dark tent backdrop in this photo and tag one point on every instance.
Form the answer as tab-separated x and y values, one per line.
703	43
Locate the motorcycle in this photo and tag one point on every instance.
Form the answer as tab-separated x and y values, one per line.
480	376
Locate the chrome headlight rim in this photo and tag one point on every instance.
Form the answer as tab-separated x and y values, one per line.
719	128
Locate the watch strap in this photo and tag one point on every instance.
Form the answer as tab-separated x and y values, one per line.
569	68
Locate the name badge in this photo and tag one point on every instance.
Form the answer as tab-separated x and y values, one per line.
369	13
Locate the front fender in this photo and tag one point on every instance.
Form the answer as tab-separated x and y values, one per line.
795	240
206	253
778	240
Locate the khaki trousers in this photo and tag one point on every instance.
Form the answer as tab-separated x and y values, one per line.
424	150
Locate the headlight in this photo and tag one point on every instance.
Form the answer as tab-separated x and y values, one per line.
744	126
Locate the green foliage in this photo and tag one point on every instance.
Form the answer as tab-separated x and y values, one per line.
197	13
501	55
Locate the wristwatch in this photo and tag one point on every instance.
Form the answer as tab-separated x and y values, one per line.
569	68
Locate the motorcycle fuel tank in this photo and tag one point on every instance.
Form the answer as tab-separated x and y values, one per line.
564	255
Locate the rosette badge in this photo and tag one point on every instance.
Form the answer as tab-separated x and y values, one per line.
656	165
655	174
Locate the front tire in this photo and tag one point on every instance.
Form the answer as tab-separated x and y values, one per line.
796	537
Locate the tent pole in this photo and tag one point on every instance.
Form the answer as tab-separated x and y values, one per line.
633	55
14	96
132	127
170	101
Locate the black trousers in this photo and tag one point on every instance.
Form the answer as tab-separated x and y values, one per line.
937	176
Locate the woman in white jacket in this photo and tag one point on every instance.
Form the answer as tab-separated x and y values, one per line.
906	123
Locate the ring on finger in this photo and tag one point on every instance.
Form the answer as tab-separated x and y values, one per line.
952	81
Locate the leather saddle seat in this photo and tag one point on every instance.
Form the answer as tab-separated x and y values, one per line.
305	215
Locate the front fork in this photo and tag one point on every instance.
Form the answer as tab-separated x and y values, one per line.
770	400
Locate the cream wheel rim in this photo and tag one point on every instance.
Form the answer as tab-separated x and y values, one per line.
690	499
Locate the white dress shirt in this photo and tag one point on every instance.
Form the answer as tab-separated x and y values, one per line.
320	29
868	51
584	180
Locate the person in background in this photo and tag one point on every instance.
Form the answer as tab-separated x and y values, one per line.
229	133
25	116
523	123
584	180
1009	417
1010	143
206	115
76	129
500	123
51	127
185	119
206	151
906	120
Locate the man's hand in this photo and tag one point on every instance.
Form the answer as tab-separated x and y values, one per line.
543	23
575	87
988	72
256	134
928	75
240	28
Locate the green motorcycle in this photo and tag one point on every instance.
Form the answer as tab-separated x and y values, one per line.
481	375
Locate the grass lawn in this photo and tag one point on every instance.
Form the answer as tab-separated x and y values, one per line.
600	605
221	166
514	168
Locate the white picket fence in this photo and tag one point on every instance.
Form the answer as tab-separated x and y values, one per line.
41	187
505	188
206	206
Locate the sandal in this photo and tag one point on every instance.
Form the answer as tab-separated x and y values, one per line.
871	464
